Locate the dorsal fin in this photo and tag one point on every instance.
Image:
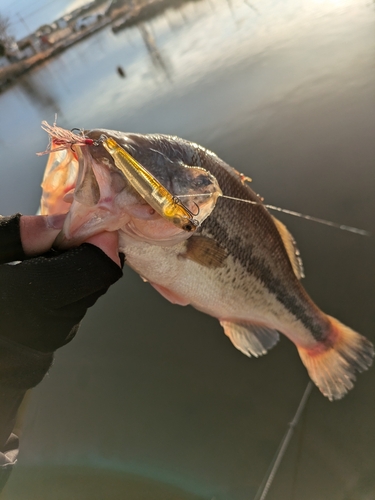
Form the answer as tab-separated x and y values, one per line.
250	338
291	248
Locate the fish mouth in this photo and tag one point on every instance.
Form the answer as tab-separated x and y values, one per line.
85	182
101	201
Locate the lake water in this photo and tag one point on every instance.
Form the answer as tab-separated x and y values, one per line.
285	92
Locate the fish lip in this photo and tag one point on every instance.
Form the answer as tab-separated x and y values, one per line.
131	231
87	222
72	235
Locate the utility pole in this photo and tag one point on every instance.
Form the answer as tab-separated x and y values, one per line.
22	20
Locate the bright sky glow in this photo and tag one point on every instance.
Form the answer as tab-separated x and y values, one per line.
25	17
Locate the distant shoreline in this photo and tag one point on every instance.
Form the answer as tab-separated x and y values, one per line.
10	74
122	18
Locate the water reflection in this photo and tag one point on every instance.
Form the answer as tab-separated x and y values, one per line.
39	95
158	60
252	6
285	96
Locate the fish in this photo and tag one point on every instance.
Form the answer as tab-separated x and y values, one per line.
241	265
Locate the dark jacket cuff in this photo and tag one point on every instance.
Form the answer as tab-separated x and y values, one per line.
10	239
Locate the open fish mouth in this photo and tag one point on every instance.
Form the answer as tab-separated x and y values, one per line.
82	179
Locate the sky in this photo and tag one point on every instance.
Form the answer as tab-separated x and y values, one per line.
25	16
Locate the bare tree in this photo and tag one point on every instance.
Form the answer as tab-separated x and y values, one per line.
6	39
4	26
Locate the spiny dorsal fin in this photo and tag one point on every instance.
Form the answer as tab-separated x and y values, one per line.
205	251
250	338
291	248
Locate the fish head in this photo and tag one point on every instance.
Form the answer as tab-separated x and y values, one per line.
84	182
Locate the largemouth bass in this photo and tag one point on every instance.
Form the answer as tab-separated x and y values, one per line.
240	265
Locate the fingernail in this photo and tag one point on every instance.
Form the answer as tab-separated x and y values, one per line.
56	221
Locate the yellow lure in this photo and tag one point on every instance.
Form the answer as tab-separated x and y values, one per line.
155	194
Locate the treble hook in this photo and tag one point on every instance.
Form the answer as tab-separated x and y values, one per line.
195	215
101	139
177	201
87	140
72	143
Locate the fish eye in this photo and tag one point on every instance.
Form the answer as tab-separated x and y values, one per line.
188	227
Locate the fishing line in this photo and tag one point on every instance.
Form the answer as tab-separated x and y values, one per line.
279	455
344	227
297	461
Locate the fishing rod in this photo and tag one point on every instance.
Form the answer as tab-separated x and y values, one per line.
279	455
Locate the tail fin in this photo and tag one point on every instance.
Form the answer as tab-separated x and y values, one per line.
333	369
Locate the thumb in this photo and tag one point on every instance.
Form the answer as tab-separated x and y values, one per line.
38	232
108	243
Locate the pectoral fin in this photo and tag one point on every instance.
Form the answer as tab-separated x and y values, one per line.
205	251
250	338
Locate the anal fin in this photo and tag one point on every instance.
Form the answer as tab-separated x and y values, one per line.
250	338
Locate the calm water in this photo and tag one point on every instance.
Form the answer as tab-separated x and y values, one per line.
285	92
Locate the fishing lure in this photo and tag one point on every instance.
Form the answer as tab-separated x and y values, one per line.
63	138
155	194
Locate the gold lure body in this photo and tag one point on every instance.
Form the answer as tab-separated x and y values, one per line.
155	194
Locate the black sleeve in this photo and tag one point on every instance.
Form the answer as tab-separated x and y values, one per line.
10	397
42	301
10	241
20	369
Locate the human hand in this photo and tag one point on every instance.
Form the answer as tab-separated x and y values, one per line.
44	298
38	232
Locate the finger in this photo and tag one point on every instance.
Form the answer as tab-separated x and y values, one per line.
108	243
38	232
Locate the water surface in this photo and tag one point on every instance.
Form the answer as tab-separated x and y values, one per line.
284	92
